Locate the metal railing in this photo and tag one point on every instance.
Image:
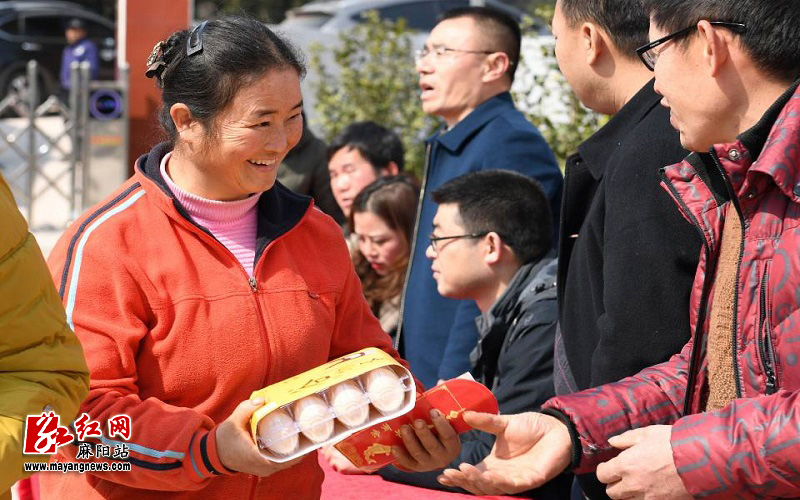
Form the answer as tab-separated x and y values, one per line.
45	151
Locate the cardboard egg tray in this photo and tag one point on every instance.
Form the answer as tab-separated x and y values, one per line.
300	413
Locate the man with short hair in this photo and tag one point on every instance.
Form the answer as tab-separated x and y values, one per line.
465	72
626	258
720	419
359	155
492	243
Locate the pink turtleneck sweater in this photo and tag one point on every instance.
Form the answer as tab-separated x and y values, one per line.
233	223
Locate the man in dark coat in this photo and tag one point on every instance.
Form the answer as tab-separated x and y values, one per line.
491	243
466	70
627	258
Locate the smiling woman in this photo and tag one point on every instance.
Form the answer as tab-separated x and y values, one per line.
202	279
240	155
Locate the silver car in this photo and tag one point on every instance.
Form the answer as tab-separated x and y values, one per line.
335	16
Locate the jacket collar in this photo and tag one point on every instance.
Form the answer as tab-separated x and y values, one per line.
773	143
279	209
462	131
533	278
595	149
529	278
765	151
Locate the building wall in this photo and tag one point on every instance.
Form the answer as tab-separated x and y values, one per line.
148	21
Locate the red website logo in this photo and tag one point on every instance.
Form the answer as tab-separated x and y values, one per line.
120	425
44	434
86	427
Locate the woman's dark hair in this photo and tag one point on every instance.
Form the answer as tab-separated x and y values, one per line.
393	199
204	68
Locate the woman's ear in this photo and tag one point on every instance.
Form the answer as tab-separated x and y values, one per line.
189	129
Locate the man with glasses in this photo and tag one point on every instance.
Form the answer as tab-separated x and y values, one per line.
465	73
720	419
620	231
492	243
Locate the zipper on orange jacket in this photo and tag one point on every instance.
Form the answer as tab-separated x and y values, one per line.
253	285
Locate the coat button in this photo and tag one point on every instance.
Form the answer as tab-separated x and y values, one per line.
48	409
734	155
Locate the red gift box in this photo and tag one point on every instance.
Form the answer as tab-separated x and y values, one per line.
371	448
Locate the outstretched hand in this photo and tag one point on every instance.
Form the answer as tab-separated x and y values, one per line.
531	449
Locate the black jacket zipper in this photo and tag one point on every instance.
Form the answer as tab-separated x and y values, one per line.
764	341
694	358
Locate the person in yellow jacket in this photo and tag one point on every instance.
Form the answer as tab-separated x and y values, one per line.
41	361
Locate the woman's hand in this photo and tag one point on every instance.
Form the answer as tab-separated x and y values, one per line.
236	448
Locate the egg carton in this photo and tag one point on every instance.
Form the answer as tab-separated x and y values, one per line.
295	421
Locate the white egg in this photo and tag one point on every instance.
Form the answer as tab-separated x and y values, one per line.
385	390
314	418
348	403
277	432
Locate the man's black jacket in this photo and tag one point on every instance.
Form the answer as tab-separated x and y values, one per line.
627	258
514	358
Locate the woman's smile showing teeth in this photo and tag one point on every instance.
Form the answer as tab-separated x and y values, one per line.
262	163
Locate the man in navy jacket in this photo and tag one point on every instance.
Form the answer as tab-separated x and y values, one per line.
466	70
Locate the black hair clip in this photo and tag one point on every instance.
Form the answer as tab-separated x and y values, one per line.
195	42
155	62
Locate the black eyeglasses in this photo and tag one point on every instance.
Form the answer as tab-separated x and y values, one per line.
649	58
436	239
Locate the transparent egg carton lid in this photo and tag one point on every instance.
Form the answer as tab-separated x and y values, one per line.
329	403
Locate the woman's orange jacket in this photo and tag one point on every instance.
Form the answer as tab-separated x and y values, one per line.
176	335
